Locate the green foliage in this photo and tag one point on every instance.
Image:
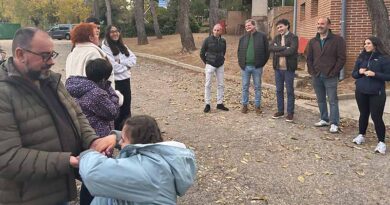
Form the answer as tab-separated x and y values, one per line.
199	8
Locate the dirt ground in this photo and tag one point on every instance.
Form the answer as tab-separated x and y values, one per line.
170	47
250	159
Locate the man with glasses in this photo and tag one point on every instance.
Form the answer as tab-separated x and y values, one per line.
42	130
212	54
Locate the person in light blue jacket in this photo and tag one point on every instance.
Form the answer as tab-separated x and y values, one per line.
147	170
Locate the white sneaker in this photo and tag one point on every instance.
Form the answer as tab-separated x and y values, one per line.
334	128
381	148
359	139
321	123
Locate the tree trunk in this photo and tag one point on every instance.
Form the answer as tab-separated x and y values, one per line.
95	10
139	21
380	21
213	14
108	12
155	22
187	40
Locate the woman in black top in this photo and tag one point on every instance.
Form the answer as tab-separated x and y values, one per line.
372	69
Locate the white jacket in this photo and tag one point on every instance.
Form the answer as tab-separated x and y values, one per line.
121	69
78	58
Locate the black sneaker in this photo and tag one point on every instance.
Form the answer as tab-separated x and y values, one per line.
278	115
222	107
207	108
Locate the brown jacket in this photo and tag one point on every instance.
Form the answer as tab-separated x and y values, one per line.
33	167
328	60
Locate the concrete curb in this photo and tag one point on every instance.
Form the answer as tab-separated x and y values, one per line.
237	78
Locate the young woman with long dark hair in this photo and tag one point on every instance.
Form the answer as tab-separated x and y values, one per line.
372	69
122	60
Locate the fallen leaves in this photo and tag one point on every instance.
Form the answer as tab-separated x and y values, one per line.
301	179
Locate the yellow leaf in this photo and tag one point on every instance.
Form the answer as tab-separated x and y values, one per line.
308	173
360	173
318	192
318	156
301	179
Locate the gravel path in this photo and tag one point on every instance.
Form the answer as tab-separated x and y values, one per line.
250	159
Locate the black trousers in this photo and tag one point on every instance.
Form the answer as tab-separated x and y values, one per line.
374	105
85	197
124	87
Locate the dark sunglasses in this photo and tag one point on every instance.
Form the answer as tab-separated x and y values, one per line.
46	56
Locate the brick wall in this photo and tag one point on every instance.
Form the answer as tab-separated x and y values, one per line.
358	23
358	28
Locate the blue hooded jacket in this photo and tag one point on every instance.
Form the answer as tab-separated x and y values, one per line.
142	174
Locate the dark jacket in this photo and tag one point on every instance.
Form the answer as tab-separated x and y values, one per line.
213	51
261	49
290	51
99	103
377	63
33	168
328	60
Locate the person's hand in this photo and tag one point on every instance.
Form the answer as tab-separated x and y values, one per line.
104	144
74	161
362	70
3	55
369	73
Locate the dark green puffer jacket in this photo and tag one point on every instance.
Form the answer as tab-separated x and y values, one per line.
33	168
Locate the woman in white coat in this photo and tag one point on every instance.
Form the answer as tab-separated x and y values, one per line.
122	60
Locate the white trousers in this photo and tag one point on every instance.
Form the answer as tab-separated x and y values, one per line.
209	71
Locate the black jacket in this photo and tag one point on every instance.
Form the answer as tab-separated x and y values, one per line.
213	51
261	49
380	65
290	51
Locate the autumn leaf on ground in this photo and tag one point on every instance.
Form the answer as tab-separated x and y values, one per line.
319	192
360	173
301	179
309	173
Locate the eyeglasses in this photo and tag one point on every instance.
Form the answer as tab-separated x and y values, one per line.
46	56
114	31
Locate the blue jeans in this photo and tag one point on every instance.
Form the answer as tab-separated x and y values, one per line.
323	87
256	74
281	77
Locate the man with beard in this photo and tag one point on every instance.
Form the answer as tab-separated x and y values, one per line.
326	54
42	130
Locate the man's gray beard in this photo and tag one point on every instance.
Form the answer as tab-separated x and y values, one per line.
37	75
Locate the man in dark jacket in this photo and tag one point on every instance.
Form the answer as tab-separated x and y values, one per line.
285	61
326	54
42	130
252	55
212	54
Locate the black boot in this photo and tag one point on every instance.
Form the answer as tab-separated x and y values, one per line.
207	108
222	107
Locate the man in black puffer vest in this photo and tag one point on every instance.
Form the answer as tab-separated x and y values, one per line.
252	55
212	54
